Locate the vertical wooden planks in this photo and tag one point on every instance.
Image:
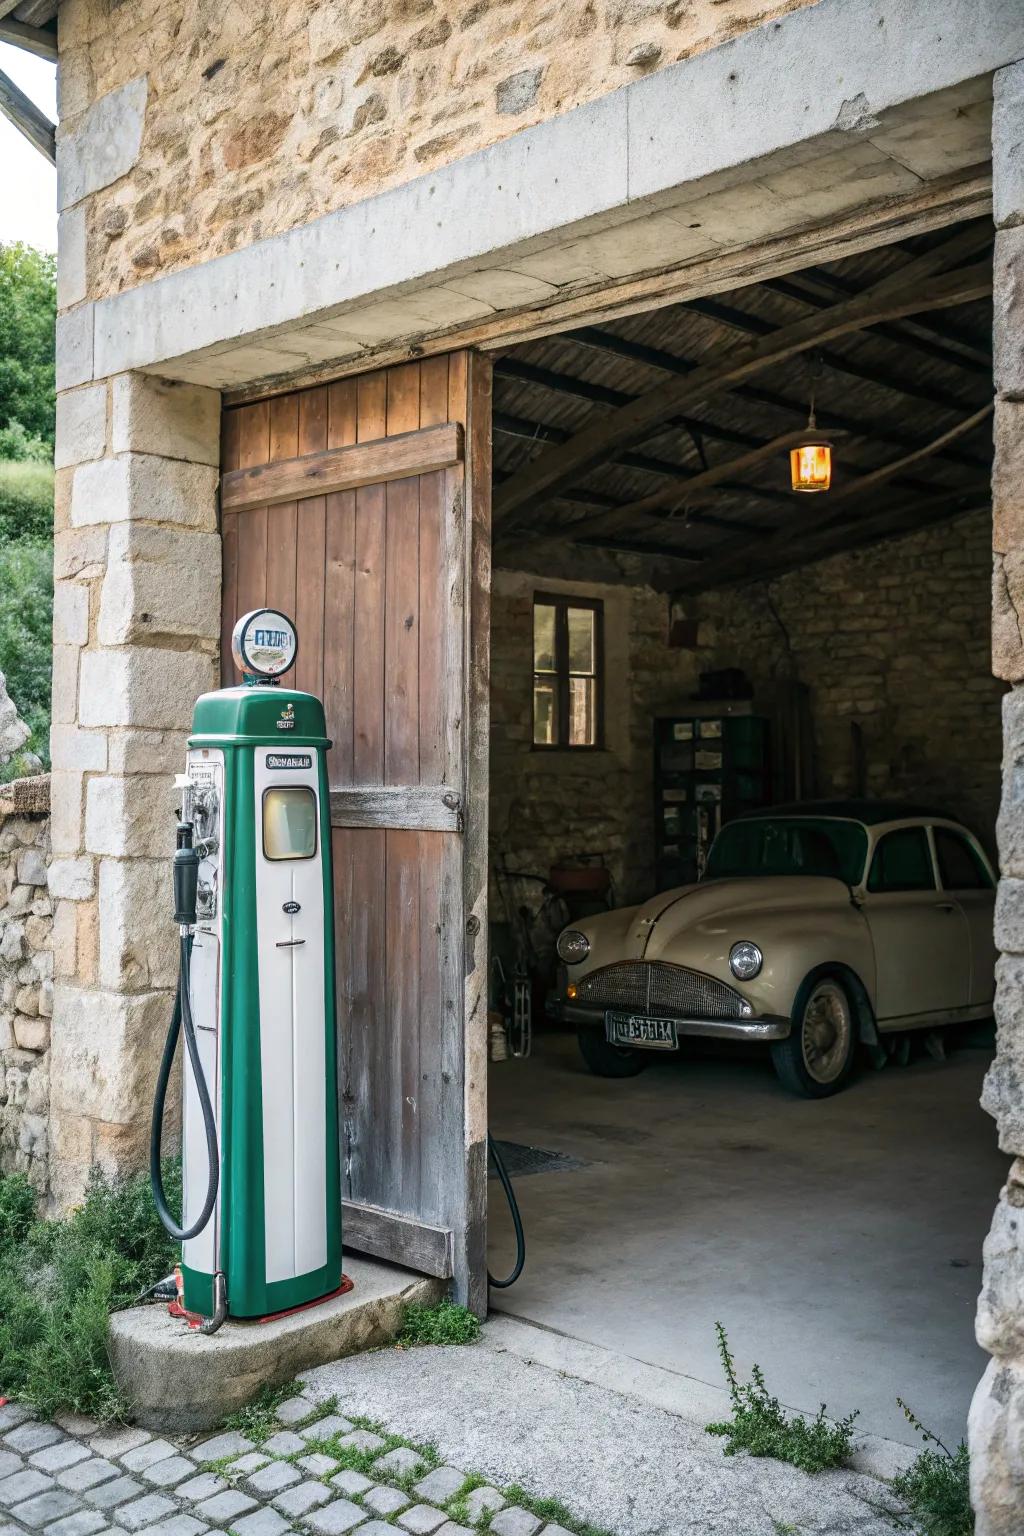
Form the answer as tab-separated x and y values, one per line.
404	1003
368	705
253	448
434	615
337	638
282	519
311	535
360	916
401	592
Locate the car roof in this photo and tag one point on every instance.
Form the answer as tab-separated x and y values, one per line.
870	812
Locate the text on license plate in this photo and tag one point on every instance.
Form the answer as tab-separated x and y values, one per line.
634	1029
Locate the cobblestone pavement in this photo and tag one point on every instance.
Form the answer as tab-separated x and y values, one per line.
317	1474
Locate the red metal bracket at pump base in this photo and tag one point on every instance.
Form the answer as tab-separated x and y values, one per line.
194	1319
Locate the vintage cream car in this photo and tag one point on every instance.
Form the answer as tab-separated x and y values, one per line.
815	926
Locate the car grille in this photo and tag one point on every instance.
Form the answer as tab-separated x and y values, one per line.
657	988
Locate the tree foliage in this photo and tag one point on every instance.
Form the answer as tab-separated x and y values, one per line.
28	307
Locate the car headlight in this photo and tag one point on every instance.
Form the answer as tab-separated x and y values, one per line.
573	946
745	960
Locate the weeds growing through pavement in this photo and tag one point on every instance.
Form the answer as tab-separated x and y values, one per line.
761	1425
936	1487
444	1323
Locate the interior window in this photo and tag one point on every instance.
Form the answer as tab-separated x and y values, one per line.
567	671
960	868
902	862
289	823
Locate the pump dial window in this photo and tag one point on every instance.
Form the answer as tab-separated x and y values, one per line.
289	823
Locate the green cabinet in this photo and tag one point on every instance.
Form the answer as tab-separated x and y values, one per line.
712	761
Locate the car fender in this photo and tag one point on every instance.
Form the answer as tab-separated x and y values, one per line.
867	1029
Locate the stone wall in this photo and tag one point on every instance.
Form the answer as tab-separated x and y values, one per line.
26	985
893	639
188	130
997	1412
136	632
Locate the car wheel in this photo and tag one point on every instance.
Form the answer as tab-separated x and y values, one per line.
817	1058
606	1060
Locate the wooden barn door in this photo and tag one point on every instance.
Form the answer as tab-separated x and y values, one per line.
362	508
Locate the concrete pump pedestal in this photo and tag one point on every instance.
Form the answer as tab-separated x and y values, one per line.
177	1379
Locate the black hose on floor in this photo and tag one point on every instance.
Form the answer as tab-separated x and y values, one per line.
517	1220
182	1015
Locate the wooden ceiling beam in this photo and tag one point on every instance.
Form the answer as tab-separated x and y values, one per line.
535	431
603	394
892	522
609	504
27	118
35	12
946	345
42	42
732	560
918	293
755	325
833	421
875	477
683	491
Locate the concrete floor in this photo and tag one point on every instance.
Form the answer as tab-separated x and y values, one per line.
839	1242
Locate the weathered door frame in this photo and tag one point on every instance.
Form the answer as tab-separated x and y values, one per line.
455	456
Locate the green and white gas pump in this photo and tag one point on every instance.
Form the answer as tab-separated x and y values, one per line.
253	896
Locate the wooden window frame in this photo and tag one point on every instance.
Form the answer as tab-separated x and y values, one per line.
562	602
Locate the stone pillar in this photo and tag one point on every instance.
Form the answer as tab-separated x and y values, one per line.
997	1412
136	632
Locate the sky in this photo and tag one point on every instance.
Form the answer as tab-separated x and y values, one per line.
28	183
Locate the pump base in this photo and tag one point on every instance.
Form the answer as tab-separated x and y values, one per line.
196	1319
345	1286
179	1380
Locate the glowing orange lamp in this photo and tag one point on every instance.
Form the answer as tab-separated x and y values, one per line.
810	462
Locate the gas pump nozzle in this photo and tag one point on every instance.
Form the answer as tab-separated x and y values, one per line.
186	877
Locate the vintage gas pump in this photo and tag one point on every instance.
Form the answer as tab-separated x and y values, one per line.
253	901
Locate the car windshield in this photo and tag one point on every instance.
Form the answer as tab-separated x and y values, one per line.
789	845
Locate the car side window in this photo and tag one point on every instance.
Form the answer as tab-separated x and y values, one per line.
902	862
960	867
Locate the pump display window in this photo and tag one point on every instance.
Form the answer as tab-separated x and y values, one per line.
289	823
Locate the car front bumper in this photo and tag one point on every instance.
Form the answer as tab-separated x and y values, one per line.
768	1027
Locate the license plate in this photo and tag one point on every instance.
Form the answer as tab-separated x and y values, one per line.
634	1029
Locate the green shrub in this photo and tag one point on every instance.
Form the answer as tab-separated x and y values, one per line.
17	1210
761	1425
936	1488
59	1282
26	500
16	443
26	616
444	1323
28	306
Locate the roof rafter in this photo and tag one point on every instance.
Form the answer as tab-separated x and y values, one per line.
834	421
914	290
42	42
730	562
27	118
817	289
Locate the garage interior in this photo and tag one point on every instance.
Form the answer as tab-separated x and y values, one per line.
838	1241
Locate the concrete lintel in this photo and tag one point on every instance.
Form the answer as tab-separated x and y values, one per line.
178	1380
820	75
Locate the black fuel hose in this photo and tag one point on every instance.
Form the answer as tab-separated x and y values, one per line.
517	1220
182	1015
